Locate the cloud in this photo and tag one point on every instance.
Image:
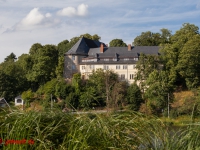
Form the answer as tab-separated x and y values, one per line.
198	6
48	15
35	19
82	10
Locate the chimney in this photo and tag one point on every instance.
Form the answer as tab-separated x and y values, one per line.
101	48
129	47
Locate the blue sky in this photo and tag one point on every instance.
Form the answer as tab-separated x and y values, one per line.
25	22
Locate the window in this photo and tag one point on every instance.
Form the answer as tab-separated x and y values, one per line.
106	59
73	67
126	59
83	67
19	101
124	66
131	76
73	57
105	67
89	60
136	58
118	67
122	76
91	67
114	59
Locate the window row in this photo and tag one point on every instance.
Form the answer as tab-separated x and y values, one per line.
122	76
106	67
106	59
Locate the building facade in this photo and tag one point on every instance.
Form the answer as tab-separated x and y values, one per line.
88	55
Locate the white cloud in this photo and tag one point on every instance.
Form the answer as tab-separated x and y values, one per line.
82	10
33	18
47	15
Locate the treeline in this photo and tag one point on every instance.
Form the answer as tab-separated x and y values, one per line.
39	74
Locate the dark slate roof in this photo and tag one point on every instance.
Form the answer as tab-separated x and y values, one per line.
82	46
123	51
2	100
18	97
120	53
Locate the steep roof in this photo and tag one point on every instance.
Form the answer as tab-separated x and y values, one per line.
82	46
2	100
18	97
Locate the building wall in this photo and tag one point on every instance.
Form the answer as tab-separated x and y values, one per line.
125	71
71	65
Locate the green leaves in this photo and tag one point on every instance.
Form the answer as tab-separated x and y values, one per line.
134	97
153	39
117	43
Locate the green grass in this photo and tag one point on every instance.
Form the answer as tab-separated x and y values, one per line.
110	131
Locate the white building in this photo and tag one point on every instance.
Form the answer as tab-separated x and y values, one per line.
19	101
87	55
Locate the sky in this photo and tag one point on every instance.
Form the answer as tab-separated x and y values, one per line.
25	22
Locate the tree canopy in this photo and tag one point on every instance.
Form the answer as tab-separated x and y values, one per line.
117	43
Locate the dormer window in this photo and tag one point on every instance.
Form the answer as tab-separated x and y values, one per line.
106	59
73	57
126	59
136	58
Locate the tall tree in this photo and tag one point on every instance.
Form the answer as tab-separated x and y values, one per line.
63	47
134	97
117	43
11	57
45	63
158	89
145	65
189	64
172	52
153	39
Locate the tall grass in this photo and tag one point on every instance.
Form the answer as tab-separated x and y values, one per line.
123	131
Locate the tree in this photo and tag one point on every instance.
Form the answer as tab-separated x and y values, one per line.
62	89
118	94
145	65
189	64
158	89
103	82
13	80
60	67
153	39
134	97
11	57
173	51
44	66
117	43
63	47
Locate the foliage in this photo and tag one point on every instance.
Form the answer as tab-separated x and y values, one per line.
72	100
45	62
117	43
129	130
153	39
145	65
183	42
158	89
62	89
188	63
60	67
134	97
11	57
